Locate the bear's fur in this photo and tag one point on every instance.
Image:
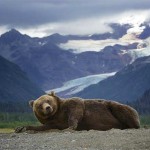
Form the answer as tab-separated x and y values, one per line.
81	114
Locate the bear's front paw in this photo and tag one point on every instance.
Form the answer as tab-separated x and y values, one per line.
20	129
68	130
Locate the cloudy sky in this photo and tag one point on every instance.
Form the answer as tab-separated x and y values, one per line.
45	17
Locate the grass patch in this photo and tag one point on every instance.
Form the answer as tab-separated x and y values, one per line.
19	117
145	120
6	130
15	124
13	120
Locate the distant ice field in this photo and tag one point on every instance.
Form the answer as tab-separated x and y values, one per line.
77	85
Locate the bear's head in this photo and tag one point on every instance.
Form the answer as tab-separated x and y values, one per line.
45	106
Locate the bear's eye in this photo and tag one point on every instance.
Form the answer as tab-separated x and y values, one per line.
47	101
40	106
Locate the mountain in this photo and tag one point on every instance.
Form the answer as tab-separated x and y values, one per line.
53	60
142	104
11	36
146	32
48	65
15	85
126	85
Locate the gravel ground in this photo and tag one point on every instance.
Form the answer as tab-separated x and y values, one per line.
79	140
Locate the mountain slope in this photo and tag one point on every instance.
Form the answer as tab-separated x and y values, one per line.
127	85
14	84
146	33
142	105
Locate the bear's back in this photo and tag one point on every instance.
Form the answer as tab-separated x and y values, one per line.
96	108
97	116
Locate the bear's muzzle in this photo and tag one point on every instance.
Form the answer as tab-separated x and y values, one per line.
47	108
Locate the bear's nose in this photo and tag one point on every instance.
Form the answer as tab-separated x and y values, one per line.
47	108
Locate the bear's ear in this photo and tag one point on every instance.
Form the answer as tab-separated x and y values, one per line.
31	103
52	93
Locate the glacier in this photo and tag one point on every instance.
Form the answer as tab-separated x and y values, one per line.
140	52
77	85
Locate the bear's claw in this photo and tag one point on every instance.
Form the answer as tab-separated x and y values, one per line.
68	130
20	129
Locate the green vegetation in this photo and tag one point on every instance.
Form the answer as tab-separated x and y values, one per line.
12	120
6	130
145	120
16	124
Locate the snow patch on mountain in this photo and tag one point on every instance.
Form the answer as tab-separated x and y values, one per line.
42	43
77	85
141	51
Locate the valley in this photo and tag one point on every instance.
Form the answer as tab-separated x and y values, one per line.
72	64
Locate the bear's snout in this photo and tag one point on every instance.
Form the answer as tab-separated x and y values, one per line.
47	108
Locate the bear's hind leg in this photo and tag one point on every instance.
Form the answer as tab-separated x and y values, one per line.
127	116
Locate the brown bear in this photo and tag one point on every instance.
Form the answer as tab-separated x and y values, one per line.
81	114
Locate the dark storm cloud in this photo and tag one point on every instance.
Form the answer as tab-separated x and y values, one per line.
24	13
